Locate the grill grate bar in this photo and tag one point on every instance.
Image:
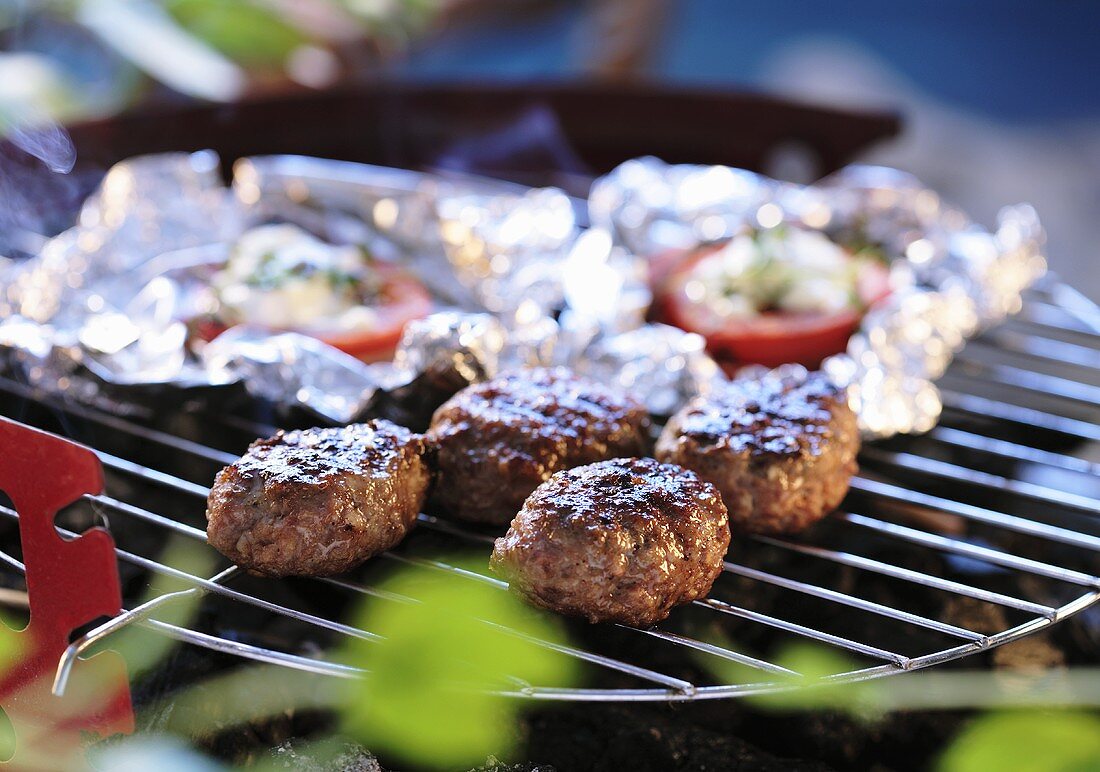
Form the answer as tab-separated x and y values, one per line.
13	561
971	512
119	424
152	517
960	438
1024	380
719	651
200	535
971	550
1049	349
909	575
453	529
257	653
243	425
762	576
640	672
1072	302
677	684
124	619
219	589
860	603
152	475
1039	313
1046	333
937	468
460	532
17	598
899	660
361	589
984	407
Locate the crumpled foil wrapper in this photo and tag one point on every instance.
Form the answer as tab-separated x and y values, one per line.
144	207
951	278
104	309
92	309
660	364
649	205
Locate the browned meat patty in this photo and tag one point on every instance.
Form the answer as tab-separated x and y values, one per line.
616	541
781	450
319	501
497	441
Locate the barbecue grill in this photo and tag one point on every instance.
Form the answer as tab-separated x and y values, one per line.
978	534
983	531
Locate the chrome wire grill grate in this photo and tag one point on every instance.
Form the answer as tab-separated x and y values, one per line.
997	509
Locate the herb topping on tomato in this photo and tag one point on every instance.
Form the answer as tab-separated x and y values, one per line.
282	277
770	296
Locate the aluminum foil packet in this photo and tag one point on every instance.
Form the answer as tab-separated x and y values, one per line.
93	309
107	307
950	277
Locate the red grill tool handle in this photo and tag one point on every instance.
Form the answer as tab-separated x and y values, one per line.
69	583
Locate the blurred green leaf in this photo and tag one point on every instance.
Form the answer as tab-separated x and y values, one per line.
11	650
11	642
247	694
809	692
428	696
806	691
1026	741
249	34
7	737
726	671
397	20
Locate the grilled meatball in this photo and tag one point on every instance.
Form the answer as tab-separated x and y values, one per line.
782	449
616	541
318	501
497	441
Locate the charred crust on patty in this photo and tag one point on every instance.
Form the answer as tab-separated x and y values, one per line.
623	540
496	441
318	501
782	449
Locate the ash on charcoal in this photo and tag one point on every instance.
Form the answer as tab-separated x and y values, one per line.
493	764
298	755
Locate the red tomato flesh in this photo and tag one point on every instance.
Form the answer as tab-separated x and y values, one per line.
772	338
403	299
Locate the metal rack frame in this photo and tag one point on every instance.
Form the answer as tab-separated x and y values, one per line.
1037	334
